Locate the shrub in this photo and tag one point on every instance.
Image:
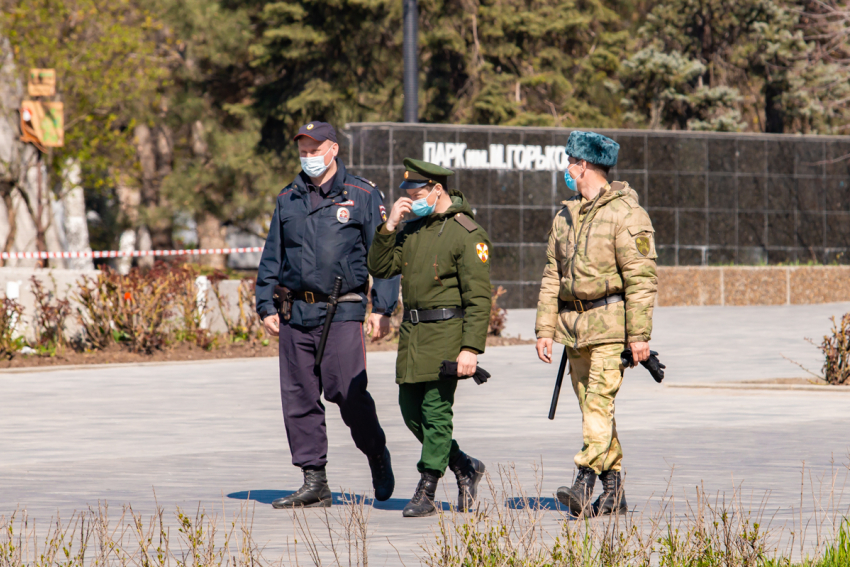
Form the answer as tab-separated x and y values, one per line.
498	315
10	314
134	309
836	352
193	308
49	318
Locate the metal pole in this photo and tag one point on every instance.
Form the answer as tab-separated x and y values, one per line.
411	61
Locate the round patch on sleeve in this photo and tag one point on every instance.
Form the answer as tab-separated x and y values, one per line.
642	243
482	251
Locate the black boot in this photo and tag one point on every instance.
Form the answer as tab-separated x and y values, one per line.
422	503
383	480
577	498
469	472
613	498
314	493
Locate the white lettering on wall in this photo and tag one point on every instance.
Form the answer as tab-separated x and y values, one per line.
497	156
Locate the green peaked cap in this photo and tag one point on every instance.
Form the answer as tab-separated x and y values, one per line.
418	173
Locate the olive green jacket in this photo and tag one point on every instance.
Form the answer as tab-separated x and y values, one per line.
610	250
444	261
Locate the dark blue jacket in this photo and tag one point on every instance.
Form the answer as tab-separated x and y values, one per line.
305	249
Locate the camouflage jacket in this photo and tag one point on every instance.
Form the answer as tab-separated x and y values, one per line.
598	248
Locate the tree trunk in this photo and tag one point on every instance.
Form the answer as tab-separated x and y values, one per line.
161	225
154	148
211	234
774	116
76	227
11	218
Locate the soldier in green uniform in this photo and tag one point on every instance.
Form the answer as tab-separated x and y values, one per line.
596	298
431	239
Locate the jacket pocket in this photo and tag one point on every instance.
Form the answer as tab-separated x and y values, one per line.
348	281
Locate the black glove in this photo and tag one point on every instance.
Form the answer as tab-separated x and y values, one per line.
652	363
449	370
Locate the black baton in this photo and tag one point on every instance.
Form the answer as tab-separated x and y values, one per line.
332	303
558	381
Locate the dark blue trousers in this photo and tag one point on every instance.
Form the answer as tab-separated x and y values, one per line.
342	378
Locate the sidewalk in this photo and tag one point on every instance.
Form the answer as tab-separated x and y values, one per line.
211	433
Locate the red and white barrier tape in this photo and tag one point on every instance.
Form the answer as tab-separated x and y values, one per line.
119	254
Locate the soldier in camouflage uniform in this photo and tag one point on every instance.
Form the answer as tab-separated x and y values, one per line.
596	297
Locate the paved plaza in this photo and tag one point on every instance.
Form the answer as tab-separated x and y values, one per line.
212	432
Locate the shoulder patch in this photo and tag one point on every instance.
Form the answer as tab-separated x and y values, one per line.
366	181
466	222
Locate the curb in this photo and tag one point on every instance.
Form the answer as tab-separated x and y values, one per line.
30	369
775	387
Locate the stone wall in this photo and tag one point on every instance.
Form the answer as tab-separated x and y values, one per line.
745	285
17	284
713	198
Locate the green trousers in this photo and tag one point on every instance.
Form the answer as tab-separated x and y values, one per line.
427	411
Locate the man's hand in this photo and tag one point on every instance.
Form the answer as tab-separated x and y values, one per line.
467	362
272	324
400	208
640	351
377	326
544	350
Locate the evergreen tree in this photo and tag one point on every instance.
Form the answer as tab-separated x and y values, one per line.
522	62
219	175
338	61
728	65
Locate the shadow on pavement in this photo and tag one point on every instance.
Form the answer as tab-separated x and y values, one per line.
535	504
268	496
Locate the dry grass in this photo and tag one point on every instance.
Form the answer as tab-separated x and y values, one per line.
93	538
509	528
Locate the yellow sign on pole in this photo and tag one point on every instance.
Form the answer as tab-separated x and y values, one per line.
42	82
43	123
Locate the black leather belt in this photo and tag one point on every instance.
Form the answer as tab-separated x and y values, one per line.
428	315
319	297
582	305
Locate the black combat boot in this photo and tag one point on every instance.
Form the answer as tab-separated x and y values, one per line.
383	480
577	498
314	493
613	498
422	503
469	472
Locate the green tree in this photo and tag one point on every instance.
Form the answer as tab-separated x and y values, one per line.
336	60
220	175
106	75
729	65
522	62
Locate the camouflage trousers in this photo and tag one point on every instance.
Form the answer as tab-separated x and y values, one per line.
597	374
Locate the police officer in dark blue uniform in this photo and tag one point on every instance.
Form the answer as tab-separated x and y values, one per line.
322	228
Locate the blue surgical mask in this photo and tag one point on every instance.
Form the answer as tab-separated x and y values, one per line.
571	182
315	166
421	208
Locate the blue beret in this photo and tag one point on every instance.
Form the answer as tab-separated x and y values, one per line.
593	148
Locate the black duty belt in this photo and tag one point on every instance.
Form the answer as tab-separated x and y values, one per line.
428	315
319	297
582	305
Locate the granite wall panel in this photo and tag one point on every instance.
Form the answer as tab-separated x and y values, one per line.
713	198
